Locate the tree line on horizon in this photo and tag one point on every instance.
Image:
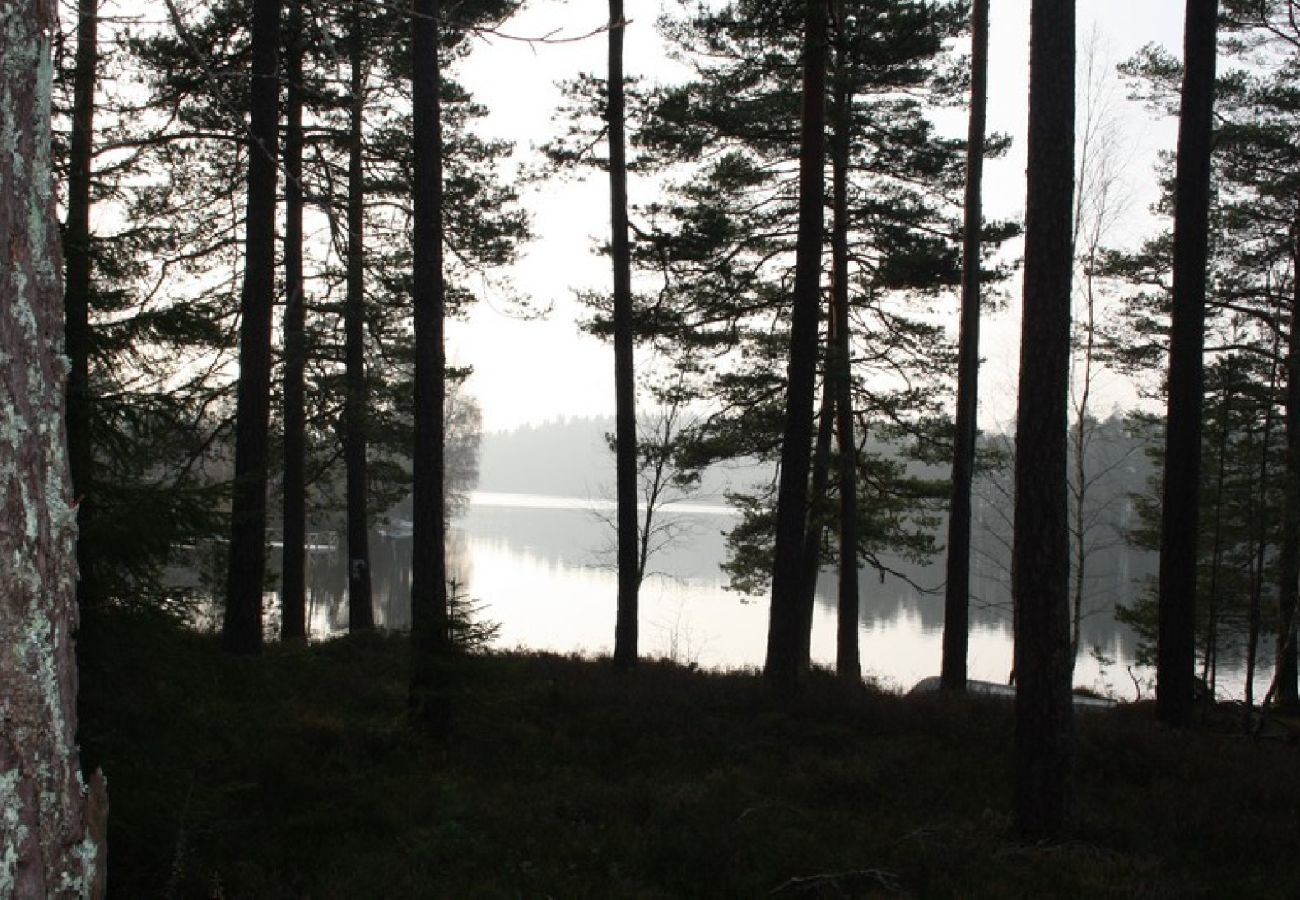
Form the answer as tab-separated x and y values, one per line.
317	158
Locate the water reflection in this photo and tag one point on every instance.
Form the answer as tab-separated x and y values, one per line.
542	568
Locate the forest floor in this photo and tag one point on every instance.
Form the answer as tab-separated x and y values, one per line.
297	775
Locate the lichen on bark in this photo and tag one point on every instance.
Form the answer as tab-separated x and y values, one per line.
51	821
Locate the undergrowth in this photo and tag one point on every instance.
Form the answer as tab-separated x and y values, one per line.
296	774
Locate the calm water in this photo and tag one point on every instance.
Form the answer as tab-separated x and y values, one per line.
542	568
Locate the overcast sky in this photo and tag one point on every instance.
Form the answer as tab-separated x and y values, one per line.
531	371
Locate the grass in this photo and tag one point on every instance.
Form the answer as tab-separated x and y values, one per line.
296	775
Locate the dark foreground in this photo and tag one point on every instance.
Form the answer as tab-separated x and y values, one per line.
296	775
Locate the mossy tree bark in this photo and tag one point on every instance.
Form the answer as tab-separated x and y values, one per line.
52	825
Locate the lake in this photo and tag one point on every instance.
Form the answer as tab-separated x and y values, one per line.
542	567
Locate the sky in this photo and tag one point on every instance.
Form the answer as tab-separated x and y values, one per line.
529	371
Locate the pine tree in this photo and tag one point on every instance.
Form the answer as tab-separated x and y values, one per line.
1040	555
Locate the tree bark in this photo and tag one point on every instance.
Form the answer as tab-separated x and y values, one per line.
77	292
360	610
52	824
629	581
1285	688
1040	553
811	554
956	614
293	590
246	574
431	640
839	368
1176	639
782	663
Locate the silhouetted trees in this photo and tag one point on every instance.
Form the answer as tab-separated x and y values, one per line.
785	623
245	576
1176	649
956	615
1040	555
625	438
430	635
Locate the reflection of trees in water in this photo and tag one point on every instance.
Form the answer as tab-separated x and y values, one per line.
390	560
575	538
1116	574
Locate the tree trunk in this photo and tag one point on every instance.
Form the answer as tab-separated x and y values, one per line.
782	664
956	614
52	825
839	369
77	291
1041	552
1261	529
431	640
1285	686
242	629
360	611
625	629
811	554
293	588
1176	640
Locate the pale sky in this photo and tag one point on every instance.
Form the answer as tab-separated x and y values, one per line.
531	371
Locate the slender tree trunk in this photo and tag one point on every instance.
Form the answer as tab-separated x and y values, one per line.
956	616
1079	436
76	295
293	590
625	629
52	825
782	664
839	370
1209	672
361	615
1176	641
1285	688
811	554
431	640
242	629
1261	526
1041	550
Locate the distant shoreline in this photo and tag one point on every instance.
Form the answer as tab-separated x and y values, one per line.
523	500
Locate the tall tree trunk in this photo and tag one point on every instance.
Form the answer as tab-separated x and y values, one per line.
1041	550
76	294
431	639
360	611
242	629
293	590
629	580
1176	640
1285	688
956	616
1209	673
52	825
839	369
782	664
811	555
1261	527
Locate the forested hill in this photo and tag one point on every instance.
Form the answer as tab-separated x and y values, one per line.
569	457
